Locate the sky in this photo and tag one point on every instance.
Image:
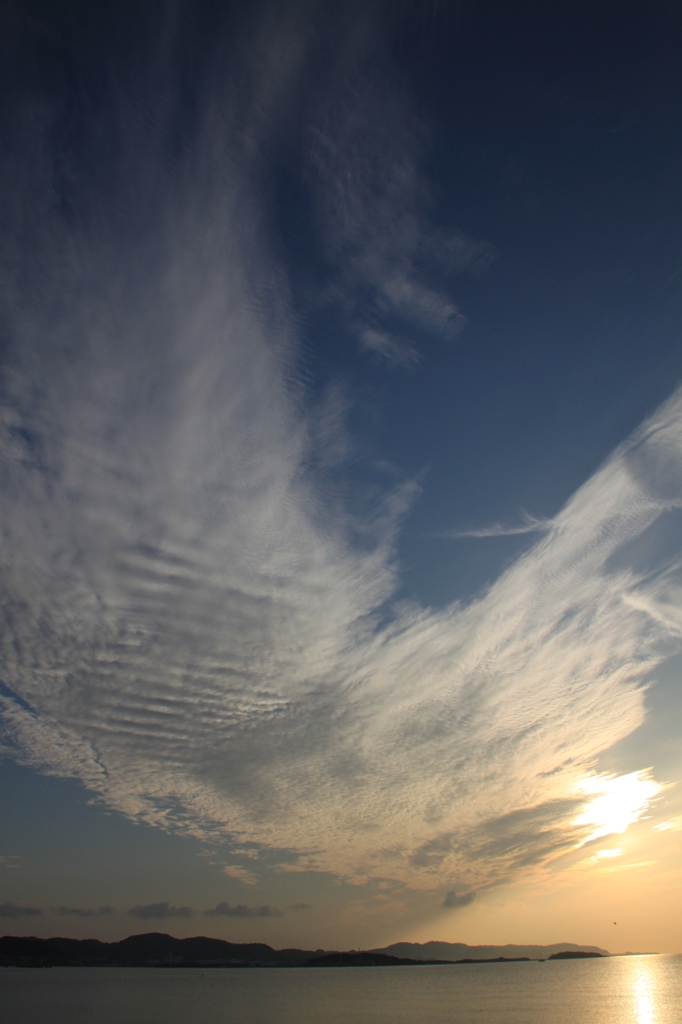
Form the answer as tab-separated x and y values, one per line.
341	472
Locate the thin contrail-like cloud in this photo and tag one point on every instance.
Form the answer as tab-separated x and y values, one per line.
528	524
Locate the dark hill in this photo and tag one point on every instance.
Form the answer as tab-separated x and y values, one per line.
153	950
158	950
370	959
573	954
360	959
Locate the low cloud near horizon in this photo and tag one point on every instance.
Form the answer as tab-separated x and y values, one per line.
243	910
63	911
15	910
158	911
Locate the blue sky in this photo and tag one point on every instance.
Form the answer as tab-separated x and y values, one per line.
341	455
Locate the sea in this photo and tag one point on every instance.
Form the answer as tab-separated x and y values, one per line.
617	990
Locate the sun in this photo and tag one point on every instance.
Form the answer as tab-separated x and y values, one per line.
614	802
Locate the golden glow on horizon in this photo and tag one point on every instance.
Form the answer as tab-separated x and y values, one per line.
614	802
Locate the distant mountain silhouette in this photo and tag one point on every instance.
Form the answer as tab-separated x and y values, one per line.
460	951
158	950
370	959
152	949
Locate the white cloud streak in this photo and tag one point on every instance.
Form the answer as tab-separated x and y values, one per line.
384	345
528	524
190	617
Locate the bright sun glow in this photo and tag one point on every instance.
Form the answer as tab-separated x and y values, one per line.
614	802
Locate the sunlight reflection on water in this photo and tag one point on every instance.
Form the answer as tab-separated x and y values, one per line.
617	990
644	991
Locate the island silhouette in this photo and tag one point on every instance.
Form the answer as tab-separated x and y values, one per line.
155	949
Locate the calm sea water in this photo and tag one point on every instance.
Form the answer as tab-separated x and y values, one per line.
622	990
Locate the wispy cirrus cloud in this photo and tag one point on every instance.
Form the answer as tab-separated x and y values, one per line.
528	524
394	268
393	349
197	625
672	825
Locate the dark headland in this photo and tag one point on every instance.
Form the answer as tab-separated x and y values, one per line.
157	950
573	954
